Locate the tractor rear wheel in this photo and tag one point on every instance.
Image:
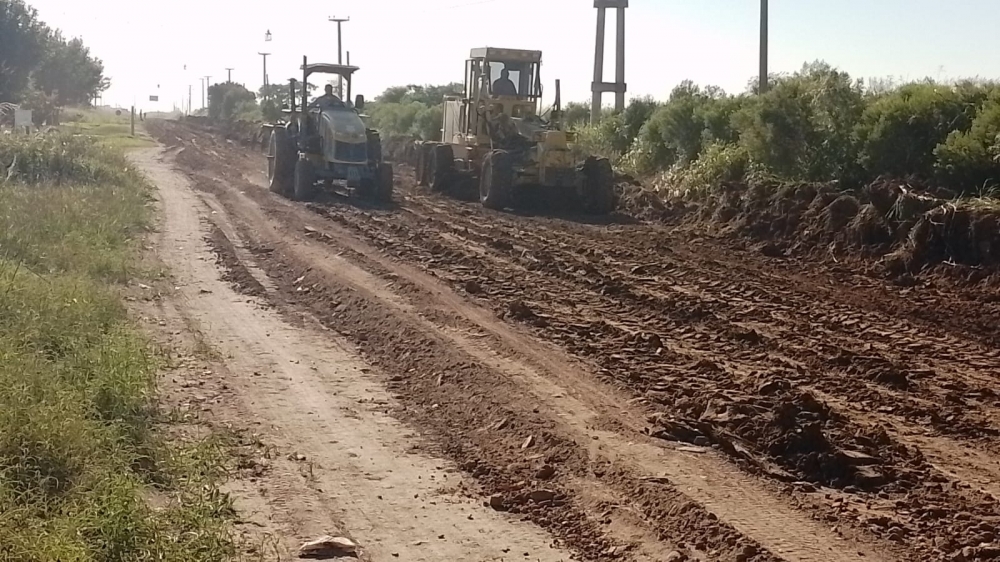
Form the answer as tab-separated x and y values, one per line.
497	180
281	156
598	186
378	187
305	180
443	170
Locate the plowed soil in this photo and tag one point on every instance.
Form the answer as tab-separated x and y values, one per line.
646	392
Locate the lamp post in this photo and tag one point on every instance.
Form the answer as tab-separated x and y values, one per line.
267	39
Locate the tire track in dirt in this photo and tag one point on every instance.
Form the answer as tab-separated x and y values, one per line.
670	513
908	470
888	378
605	312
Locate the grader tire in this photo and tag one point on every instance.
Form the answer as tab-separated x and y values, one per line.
442	172
424	151
497	180
599	187
281	158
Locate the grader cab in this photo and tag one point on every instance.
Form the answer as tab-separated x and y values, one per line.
493	137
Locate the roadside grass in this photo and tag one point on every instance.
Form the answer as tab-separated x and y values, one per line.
80	450
106	127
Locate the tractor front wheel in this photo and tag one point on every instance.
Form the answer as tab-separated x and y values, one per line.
305	180
497	180
280	162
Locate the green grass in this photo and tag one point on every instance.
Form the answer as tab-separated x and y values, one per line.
106	127
80	449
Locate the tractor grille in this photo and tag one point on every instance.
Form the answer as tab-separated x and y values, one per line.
351	152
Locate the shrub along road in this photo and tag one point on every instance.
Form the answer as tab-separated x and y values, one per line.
635	390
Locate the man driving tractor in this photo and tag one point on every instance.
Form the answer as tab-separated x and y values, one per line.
328	99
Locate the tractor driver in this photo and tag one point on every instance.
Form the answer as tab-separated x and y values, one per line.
503	85
328	99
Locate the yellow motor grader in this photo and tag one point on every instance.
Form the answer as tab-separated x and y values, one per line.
494	138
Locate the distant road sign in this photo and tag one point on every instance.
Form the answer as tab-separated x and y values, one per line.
154	98
22	118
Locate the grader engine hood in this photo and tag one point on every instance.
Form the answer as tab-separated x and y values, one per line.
344	136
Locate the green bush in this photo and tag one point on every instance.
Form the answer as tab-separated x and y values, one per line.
971	159
63	158
803	127
900	130
718	163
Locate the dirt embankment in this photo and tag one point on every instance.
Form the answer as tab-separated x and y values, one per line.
825	411
903	230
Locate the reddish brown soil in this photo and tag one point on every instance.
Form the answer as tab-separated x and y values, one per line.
864	405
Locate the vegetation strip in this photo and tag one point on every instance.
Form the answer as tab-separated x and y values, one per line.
86	472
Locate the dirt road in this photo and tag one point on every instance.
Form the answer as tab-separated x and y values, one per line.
640	393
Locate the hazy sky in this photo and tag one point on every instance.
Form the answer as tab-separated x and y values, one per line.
145	43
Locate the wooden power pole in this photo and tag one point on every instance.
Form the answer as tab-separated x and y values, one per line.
762	87
340	53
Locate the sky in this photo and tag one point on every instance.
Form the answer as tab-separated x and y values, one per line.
145	45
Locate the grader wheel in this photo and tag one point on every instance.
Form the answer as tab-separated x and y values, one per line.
598	186
496	180
442	168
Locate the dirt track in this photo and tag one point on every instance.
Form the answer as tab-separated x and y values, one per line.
638	390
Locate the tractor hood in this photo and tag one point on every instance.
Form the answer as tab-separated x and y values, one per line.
345	137
343	125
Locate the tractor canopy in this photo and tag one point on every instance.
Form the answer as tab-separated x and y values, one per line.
325	68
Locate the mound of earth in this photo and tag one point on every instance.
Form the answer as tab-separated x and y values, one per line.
906	228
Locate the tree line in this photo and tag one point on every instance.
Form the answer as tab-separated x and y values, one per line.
39	67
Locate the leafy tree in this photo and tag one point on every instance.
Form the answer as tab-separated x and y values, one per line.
22	47
229	101
33	57
414	111
68	72
278	93
575	115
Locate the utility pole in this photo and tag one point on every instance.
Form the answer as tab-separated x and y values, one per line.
190	88
229	74
763	47
340	53
265	55
599	86
205	87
